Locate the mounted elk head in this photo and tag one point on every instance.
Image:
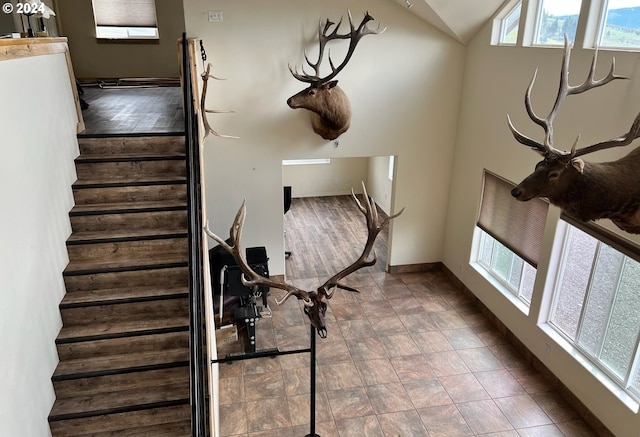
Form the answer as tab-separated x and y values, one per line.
315	306
331	111
584	190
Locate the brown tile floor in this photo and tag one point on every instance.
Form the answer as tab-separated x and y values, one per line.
409	356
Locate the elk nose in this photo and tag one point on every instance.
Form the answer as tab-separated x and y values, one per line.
516	192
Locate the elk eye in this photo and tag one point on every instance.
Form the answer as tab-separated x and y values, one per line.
554	174
312	92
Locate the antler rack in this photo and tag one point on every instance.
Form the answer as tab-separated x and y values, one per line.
324	36
547	148
315	307
208	129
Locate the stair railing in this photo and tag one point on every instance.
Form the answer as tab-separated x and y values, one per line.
198	281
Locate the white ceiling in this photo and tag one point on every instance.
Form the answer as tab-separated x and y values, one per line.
460	19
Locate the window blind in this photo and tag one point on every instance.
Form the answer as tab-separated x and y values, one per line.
125	13
517	225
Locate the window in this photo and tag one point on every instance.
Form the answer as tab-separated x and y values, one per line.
510	236
512	271
306	161
125	19
509	25
596	304
620	26
555	19
392	160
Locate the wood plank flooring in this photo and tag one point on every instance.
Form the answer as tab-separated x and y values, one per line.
133	110
326	234
410	355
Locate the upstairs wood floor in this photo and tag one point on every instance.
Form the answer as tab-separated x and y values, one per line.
133	110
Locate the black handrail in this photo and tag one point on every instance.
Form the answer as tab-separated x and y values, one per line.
196	280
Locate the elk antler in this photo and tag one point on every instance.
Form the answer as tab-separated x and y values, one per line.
547	149
315	307
250	277
325	36
374	226
208	129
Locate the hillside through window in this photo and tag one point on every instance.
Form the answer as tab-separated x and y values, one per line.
555	19
621	24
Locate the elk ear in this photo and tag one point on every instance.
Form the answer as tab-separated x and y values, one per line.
578	164
331	84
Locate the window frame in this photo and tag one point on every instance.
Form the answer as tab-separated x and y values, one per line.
103	21
602	15
589	29
620	386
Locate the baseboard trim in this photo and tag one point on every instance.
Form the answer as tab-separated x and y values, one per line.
416	268
584	413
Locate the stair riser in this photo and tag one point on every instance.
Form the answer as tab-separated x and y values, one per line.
125	381
145	193
117	346
125	250
106	281
137	170
119	422
174	220
120	313
111	146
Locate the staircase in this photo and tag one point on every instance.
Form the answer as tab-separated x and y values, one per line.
124	345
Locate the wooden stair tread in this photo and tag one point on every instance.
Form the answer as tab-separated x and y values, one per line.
121	400
129	327
175	429
125	424
121	234
120	294
144	179
127	206
79	267
73	369
100	157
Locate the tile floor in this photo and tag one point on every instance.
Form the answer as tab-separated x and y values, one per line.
409	356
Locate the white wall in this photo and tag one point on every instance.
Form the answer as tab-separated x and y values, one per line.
379	186
494	85
404	88
336	178
38	125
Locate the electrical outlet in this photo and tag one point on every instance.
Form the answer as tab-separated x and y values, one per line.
215	15
547	350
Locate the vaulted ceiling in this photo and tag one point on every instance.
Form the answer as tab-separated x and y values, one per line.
460	19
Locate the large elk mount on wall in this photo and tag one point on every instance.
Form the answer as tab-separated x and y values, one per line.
329	105
584	190
315	305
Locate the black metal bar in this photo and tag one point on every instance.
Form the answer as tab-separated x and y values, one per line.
196	339
312	399
259	354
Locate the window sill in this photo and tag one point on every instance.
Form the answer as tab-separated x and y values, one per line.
495	283
128	40
631	403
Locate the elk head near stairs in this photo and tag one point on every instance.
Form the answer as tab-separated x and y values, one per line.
315	305
329	105
584	190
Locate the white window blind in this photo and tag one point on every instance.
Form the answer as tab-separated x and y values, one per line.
125	13
519	226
